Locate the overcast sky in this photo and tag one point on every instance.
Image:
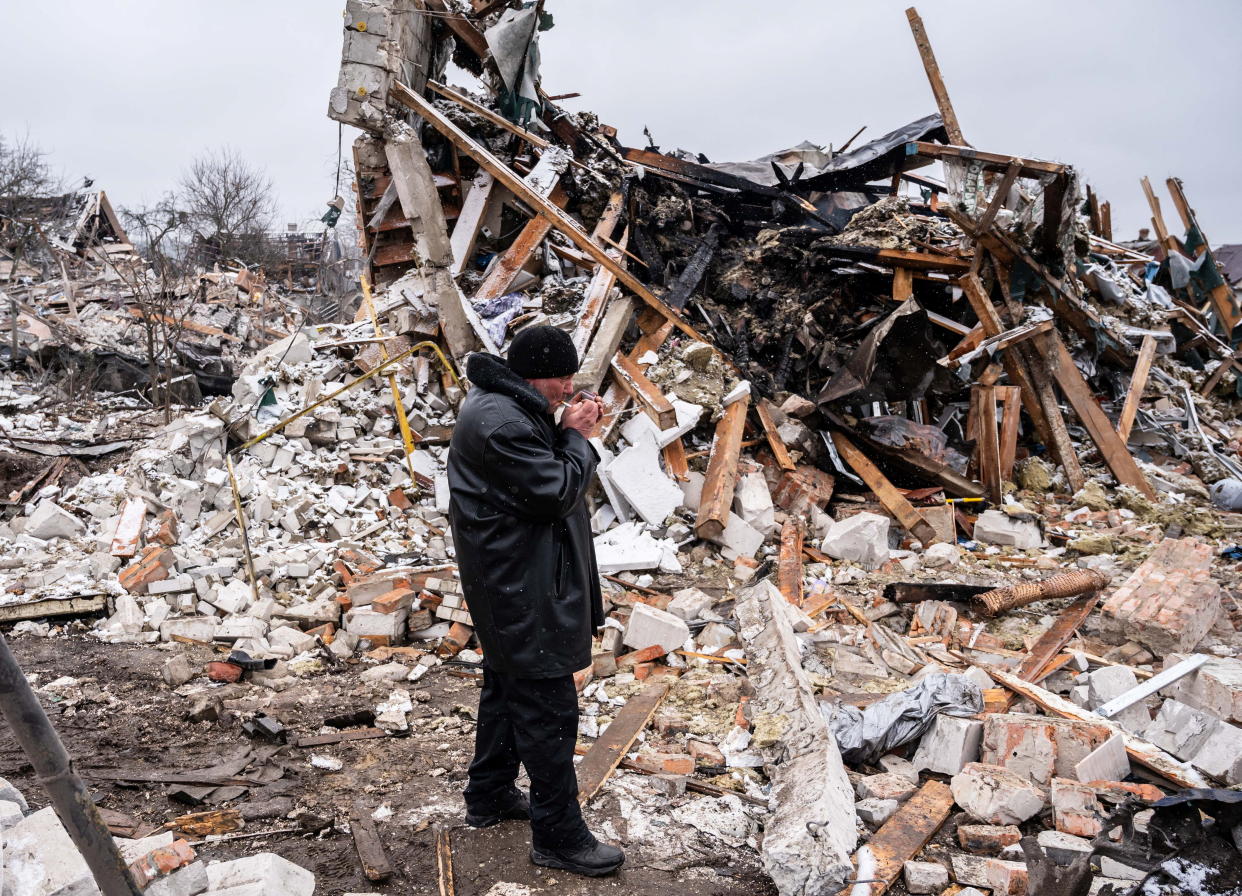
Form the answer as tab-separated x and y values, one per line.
129	91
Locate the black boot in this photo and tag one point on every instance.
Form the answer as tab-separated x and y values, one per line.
594	859
517	808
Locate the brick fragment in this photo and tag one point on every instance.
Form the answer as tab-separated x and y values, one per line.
152	566
987	839
394	601
220	671
655	651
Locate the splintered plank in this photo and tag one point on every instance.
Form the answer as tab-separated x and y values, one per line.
894	502
1057	636
1011	417
444	862
1141	751
987	441
676	461
483	112
375	865
901	838
596	298
561	221
1138	382
789	567
779	452
519	252
469	222
644	392
939	91
1093	418
721	477
321	740
605	754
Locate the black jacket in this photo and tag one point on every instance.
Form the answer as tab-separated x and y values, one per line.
520	526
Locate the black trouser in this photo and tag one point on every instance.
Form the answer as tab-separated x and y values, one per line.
532	721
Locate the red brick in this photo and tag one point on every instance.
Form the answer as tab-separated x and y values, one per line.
325	632
798	490
393	601
398	499
987	839
361	561
655	651
343	571
161	861
582	678
165	529
1168	603
671	763
152	566
218	671
345	603
739	717
658	671
603	665
706	753
455	641
642	670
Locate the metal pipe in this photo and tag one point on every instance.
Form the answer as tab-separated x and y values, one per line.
72	801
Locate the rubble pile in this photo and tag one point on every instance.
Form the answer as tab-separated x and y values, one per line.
916	509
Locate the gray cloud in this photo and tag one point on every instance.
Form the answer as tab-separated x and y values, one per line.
129	92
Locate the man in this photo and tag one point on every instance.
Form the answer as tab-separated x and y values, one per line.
527	566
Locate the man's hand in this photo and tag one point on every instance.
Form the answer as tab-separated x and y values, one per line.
582	415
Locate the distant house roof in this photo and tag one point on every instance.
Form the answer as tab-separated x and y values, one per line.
77	220
1230	258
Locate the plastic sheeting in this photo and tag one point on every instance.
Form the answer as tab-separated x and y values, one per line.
864	735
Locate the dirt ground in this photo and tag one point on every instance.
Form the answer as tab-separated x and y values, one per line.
125	717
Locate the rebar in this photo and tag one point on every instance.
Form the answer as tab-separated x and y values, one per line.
1065	584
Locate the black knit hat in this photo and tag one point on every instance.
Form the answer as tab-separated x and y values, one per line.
542	352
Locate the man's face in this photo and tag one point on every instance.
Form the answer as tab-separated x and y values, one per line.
556	389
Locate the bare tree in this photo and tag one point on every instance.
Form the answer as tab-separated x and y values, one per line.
160	231
230	203
24	171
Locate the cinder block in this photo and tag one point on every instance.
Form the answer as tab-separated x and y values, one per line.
885	787
648	626
41	860
277	876
995	795
925	877
1001	877
366	623
1180	729
949	744
861	538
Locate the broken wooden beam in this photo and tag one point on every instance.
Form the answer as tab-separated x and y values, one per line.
610	748
721	477
987	441
646	393
470	220
894	502
789	566
1116	456
1138	382
370	849
603	346
995	161
779	452
515	184
900	839
1011	417
932	68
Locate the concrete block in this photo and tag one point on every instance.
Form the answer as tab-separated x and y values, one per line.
995	795
11	794
49	520
1063	848
188	881
925	877
689	603
987	839
739	536
1039	747
649	627
177	671
637	475
288	641
1215	687
199	628
1180	729
366	623
1220	755
386	673
861	538
752	501
895	765
997	527
277	876
41	860
312	612
1107	762
885	787
949	744
173	585
10	814
1001	877
874	812
628	547
941	555
231	598
1110	682
235	628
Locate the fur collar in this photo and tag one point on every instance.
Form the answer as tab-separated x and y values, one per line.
492	374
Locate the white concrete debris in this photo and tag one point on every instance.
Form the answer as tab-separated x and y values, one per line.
648	627
740	537
641	426
1110	682
50	520
810	837
925	877
752	501
997	527
41	860
268	873
1107	762
941	555
627	547
637	475
861	538
995	795
689	604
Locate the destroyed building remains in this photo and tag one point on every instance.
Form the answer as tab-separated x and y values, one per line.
917	511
